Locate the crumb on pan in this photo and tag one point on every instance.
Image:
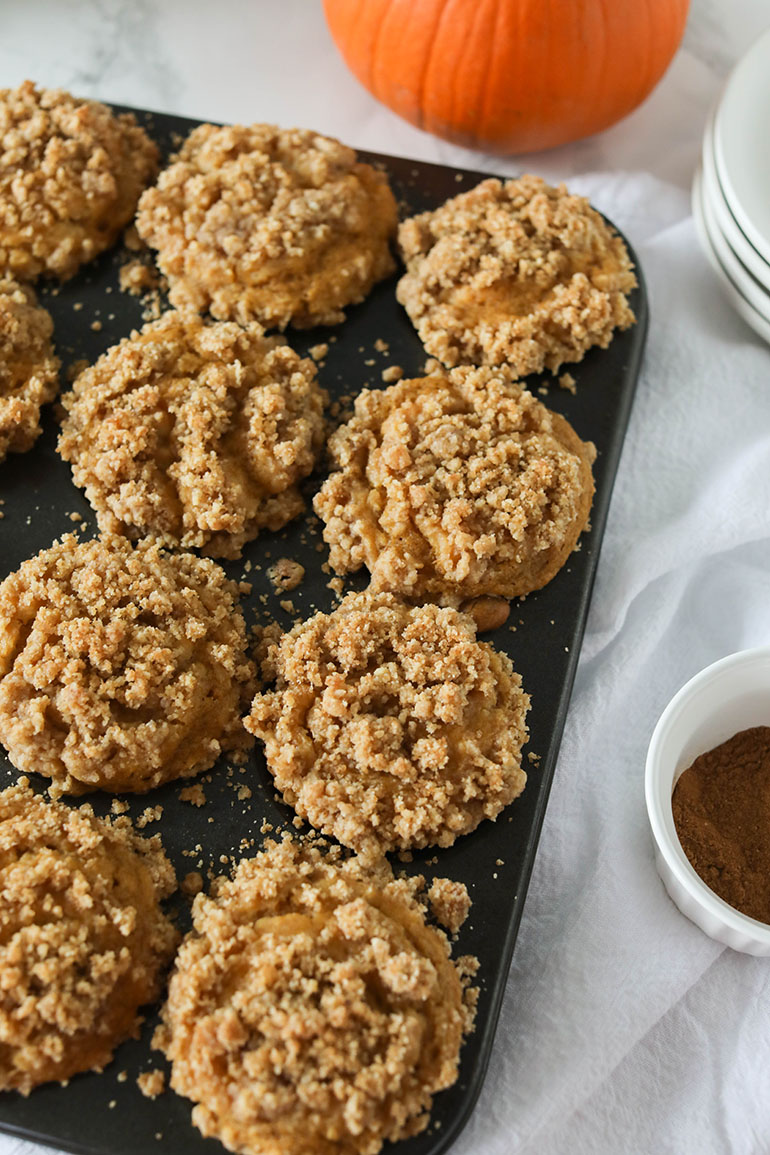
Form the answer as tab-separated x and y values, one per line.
195	795
120	668
312	1009
449	903
199	433
282	226
517	273
285	573
137	278
84	942
151	1083
391	726
457	485
71	172
192	883
29	369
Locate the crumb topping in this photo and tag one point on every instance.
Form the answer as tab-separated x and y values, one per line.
455	485
70	177
83	940
199	433
120	668
391	726
312	1010
514	273
29	370
282	226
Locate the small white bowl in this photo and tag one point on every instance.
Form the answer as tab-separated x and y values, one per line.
725	698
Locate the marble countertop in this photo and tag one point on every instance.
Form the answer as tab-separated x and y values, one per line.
624	1028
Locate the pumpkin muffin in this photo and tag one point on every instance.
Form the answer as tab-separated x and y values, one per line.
281	226
29	370
391	726
198	433
120	668
84	940
70	177
455	486
312	1011
514	273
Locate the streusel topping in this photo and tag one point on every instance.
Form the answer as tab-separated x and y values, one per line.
83	939
391	726
29	369
199	433
312	1010
514	273
120	668
454	486
70	177
282	226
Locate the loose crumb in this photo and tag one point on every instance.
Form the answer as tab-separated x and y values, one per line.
151	1083
195	795
449	903
148	815
286	574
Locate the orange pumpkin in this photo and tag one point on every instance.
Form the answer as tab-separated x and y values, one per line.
508	76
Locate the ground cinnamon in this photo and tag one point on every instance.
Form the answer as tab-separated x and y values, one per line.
721	810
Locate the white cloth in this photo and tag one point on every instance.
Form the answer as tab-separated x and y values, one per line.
624	1028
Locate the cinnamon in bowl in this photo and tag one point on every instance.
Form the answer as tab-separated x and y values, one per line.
721	807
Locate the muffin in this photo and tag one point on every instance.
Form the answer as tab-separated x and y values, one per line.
280	226
514	273
455	486
197	433
84	942
312	1011
120	668
71	173
391	726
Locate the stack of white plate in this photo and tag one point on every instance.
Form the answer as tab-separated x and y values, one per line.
731	192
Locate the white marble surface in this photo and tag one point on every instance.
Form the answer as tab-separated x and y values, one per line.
624	1028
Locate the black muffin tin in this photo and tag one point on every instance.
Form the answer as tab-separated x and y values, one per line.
105	1114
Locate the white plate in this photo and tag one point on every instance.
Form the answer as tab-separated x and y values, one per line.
742	144
746	284
714	197
759	323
